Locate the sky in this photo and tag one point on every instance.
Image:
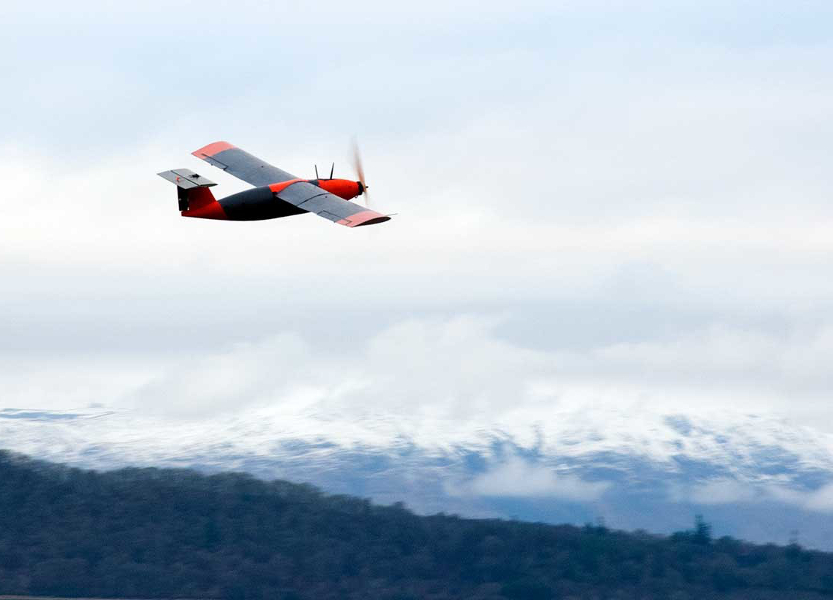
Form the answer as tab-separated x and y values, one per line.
623	203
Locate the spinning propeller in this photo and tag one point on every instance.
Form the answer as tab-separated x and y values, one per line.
357	165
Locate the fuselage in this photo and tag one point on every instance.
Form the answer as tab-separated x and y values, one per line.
262	202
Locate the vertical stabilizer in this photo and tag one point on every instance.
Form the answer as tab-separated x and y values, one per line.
192	188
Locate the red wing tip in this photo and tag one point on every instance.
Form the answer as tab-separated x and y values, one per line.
380	219
366	217
212	149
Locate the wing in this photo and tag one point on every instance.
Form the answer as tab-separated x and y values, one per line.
312	198
241	164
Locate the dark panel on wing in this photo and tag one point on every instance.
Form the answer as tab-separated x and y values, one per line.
256	205
241	164
313	199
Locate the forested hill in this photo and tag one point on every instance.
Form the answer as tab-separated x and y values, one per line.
154	533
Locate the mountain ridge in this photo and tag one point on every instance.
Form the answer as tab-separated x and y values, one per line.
562	465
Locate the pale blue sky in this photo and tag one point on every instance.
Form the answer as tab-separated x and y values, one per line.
640	190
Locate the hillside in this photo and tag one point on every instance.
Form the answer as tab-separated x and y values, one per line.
165	533
757	478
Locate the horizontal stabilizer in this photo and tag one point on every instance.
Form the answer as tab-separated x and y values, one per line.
186	179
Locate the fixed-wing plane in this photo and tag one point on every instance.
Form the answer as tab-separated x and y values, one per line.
276	192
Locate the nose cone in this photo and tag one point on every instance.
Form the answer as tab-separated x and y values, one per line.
361	188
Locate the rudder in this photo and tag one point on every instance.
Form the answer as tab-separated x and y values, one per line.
192	188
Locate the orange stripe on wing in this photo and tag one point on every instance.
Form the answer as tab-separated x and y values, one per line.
366	217
212	149
279	187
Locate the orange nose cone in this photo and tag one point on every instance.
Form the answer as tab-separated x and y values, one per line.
342	187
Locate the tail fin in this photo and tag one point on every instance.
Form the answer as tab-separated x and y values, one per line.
192	189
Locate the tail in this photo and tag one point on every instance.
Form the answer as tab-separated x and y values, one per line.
191	188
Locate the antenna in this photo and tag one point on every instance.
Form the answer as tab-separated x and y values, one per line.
316	172
333	168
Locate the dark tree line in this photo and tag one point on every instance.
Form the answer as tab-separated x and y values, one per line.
157	533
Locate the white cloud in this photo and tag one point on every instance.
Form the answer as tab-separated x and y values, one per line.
458	367
722	491
436	367
734	491
726	355
821	500
455	368
517	477
818	500
246	374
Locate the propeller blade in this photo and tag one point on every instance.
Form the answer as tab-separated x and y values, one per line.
357	165
332	169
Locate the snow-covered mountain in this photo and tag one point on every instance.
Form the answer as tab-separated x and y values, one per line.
756	477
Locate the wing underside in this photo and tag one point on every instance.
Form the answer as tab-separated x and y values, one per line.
313	199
